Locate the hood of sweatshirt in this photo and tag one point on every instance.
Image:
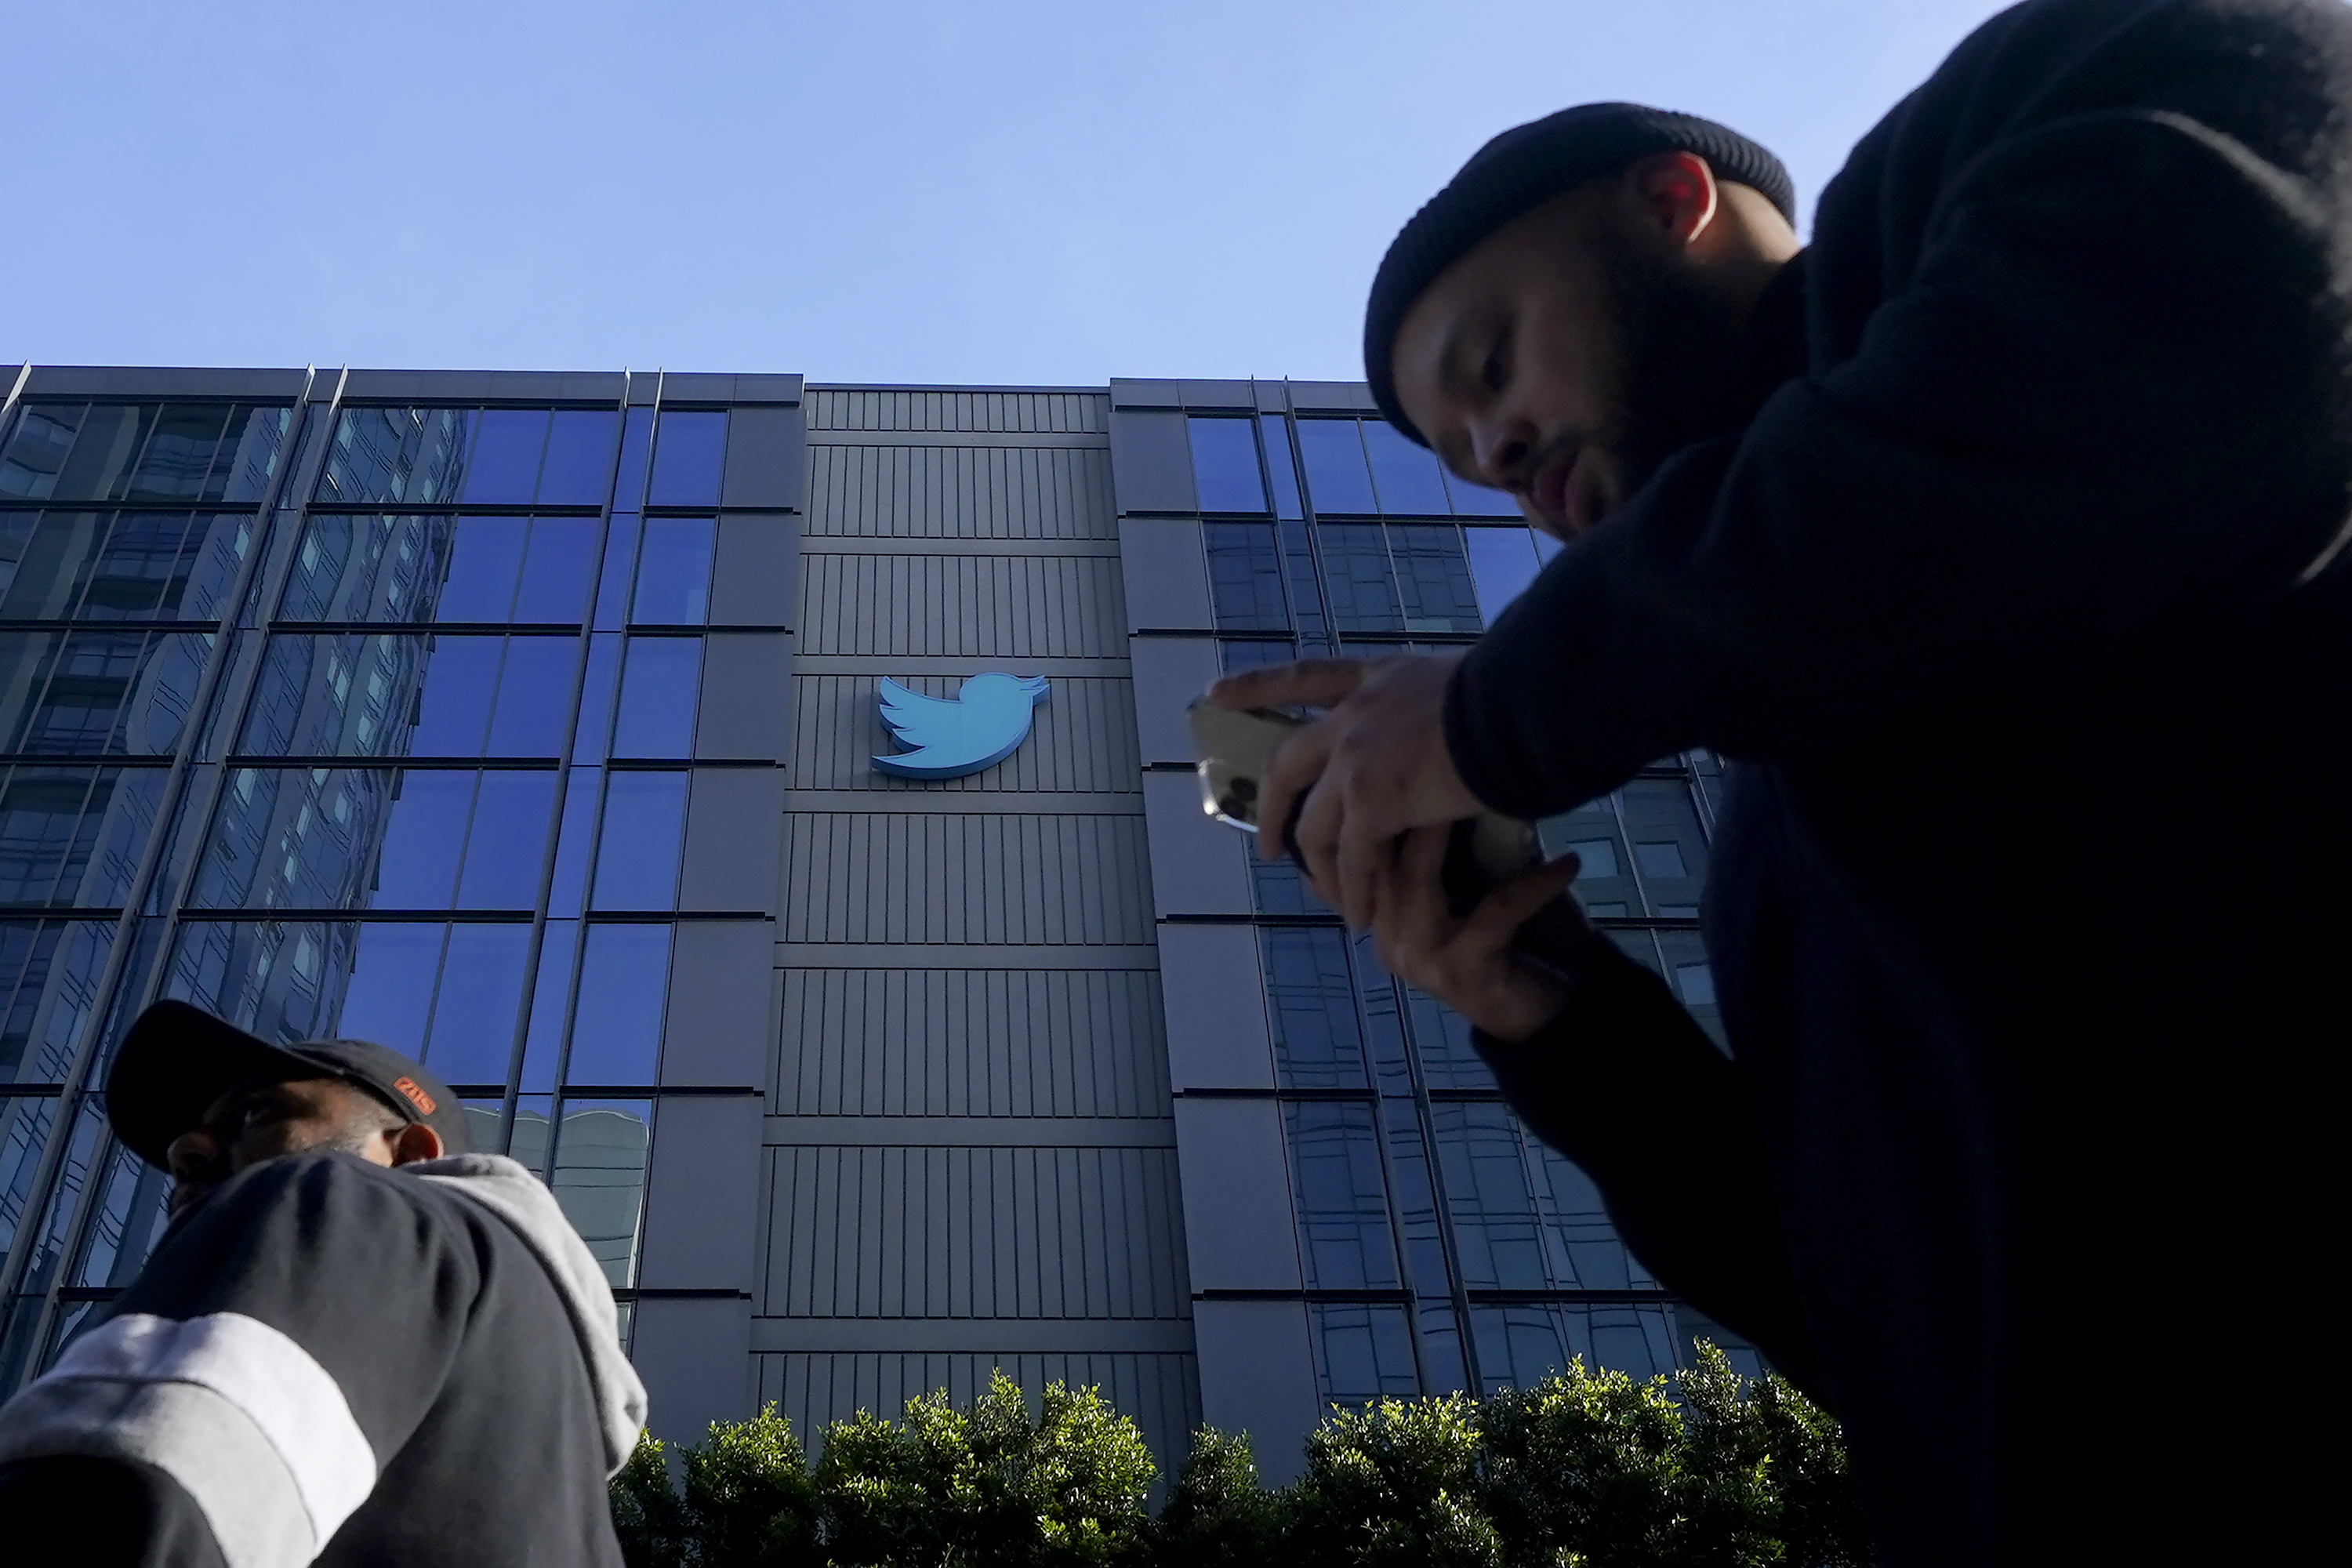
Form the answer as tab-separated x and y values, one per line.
523	1201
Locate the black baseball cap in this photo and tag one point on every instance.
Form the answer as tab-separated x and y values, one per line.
178	1058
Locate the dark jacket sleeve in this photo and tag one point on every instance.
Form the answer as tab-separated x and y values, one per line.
275	1354
106	1513
1627	1085
2078	383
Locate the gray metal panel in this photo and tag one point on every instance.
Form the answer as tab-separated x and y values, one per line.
877	877
994	608
1151	462
1217	1035
720	1030
1273	396
1144	392
1238	1229
642	387
962	1042
1198	866
697	386
694	1357
1257	1375
1081	739
1164	566
753	583
1161	1393
1217	393
977	492
417	385
1333	396
978	1131
1148	1336
746	707
702	1191
554	386
733	822
764	447
1169	672
915	1232
952	408
753	388
137	380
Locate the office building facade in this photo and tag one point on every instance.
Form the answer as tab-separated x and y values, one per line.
527	722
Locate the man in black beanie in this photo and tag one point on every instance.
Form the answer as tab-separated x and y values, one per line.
1997	538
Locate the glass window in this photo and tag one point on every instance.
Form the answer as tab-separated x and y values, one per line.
1275	431
1495	1233
1336	475
1357	580
1280	888
556	567
504	468
637	852
550	991
1245	577
74	835
144	452
601	1149
617	1028
388	996
24	1131
579	467
1361	1353
396	455
1234	653
658	686
133	1206
118	566
1660	859
506	845
1405	474
455	683
1432	577
1441	1038
536	690
361	567
1473	500
688	453
1343	1212
49	972
1669	846
1318	1041
1684	954
1696	983
1224	465
98	693
485	561
1523	1344
472	1039
637	449
1502	564
674	572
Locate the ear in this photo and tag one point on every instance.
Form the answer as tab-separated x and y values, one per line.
1676	194
414	1142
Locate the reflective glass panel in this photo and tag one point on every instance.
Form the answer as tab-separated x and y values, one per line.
1343	1214
485	561
1337	479
1245	577
537	687
96	693
1520	1345
674	572
658	686
49	972
1404	475
1502	564
1361	1353
144	452
504	468
396	455
1669	847
1473	500
474	1009
578	466
1274	432
600	1150
645	830
688	451
1432	577
24	1129
74	835
118	566
556	568
134	1204
617	1028
1224	465
1318	1041
1356	581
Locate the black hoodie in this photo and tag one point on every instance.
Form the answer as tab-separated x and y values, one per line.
2019	603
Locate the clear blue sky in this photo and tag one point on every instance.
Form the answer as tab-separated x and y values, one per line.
871	190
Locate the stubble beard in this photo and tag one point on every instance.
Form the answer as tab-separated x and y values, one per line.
1678	350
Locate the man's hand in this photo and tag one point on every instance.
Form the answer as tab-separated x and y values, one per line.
1467	962
1373	768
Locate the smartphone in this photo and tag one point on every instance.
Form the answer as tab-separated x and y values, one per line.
1232	747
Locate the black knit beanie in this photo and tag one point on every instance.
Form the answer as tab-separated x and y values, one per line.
1521	168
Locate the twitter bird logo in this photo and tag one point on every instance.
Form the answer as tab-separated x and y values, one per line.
986	722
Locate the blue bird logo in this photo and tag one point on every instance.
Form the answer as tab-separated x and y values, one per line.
983	725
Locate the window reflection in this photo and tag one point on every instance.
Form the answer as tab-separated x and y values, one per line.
637	852
1224	465
143	451
688	450
658	688
599	1177
1404	475
74	835
674	572
1245	577
617	1028
1502	563
120	566
1337	478
1343	1214
98	693
379	694
1520	1346
1362	1353
1311	1003
49	971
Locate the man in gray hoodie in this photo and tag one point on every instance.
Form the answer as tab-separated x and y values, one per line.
356	1342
